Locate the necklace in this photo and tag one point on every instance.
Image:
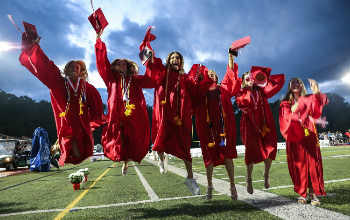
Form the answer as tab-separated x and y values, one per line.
257	99
75	89
126	95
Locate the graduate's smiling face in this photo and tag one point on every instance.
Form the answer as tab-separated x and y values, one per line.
212	75
120	66
74	70
295	85
175	61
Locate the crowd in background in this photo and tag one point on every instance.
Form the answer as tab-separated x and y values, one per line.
336	138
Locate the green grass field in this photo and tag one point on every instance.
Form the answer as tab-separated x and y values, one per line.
112	195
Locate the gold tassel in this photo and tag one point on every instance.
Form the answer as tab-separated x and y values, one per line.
178	121
223	135
223	113
81	111
127	112
307	133
208	119
264	131
62	114
129	108
163	102
211	144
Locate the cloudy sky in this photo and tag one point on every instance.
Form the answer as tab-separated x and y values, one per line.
297	38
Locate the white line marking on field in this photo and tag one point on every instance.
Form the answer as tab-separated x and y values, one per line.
277	205
31	212
329	181
105	206
153	196
255	181
239	177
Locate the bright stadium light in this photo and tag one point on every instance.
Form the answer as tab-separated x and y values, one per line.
4	46
346	78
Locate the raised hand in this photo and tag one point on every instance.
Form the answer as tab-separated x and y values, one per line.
314	86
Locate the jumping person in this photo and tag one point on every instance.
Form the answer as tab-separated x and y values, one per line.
126	135
171	120
216	126
258	131
297	115
76	104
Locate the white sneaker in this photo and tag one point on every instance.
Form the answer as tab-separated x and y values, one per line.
161	167
192	186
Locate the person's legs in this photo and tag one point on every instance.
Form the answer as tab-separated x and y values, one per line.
188	165
249	183
125	167
267	163
231	175
161	162
209	171
312	196
74	148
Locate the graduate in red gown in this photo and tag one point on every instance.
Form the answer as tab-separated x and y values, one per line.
126	136
297	115
171	120
258	131
76	104
216	126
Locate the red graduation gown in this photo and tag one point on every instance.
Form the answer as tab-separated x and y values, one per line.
230	86
167	136
73	124
124	137
303	152
259	148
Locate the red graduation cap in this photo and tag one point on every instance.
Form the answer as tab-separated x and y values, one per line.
145	48
98	20
29	36
238	44
255	70
196	70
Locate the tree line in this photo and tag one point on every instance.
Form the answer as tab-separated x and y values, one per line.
20	116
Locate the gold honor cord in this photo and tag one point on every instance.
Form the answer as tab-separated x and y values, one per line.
177	118
63	114
166	87
265	129
126	96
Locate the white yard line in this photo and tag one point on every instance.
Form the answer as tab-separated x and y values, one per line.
277	205
152	195
101	206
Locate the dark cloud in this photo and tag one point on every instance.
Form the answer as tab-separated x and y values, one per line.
298	38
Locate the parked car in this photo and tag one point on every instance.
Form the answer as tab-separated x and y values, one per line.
11	161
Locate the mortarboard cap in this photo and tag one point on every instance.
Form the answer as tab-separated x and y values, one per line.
98	20
29	36
255	70
238	44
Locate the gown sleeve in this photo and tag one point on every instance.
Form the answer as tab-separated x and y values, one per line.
274	85
40	66
95	106
244	101
155	73
102	62
290	126
231	83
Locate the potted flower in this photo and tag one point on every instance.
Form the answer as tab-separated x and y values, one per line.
75	179
86	172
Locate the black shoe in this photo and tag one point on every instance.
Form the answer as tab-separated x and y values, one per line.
54	163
